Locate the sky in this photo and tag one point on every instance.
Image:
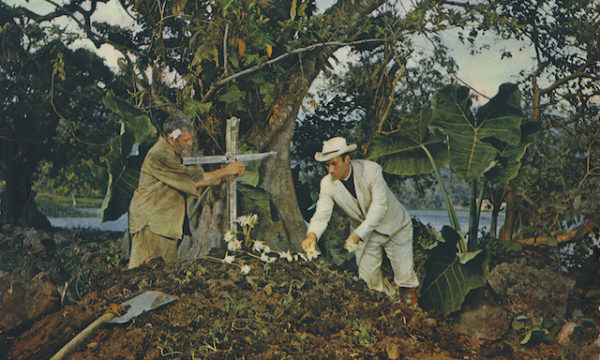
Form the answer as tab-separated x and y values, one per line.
483	72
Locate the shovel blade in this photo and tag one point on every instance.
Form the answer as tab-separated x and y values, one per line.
145	301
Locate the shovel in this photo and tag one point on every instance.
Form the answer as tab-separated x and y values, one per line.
146	301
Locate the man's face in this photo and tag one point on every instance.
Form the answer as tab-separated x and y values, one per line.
339	167
183	142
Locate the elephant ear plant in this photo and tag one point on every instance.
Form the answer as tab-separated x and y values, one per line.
482	148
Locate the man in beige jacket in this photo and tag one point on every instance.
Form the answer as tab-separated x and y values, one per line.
359	189
158	211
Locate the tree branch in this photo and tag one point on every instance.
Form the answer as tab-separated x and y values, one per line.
295	51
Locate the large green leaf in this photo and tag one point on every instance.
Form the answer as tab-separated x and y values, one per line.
401	152
260	198
509	158
127	152
133	120
447	281
123	175
468	136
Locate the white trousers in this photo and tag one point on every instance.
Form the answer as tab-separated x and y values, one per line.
399	250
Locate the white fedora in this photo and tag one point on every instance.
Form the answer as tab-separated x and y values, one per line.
334	147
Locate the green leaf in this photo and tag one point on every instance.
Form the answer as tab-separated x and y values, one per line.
260	198
526	339
267	91
465	257
234	96
193	108
468	136
509	159
123	175
137	129
401	152
252	176
447	281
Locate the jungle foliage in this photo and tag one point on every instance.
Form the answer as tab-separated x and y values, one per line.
257	59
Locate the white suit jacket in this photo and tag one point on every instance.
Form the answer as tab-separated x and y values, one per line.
376	207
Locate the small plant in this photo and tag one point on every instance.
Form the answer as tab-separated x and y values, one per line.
531	333
362	334
257	248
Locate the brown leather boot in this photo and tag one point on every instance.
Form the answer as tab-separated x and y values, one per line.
410	296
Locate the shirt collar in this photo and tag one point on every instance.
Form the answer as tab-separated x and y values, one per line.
349	174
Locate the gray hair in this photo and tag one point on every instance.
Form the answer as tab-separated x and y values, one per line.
177	121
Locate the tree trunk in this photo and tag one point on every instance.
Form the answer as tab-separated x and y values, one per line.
289	229
17	205
208	225
506	232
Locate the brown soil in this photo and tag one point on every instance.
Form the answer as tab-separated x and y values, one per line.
298	310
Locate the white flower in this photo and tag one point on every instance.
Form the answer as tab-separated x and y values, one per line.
244	220
266	249
266	258
286	255
234	245
229	235
253	220
245	269
312	253
350	246
295	257
303	256
247	220
229	259
258	246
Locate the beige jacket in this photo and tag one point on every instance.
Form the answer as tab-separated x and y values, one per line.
376	207
160	198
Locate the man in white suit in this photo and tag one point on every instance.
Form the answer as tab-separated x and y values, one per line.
358	188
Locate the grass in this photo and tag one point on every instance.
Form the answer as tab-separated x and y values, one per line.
53	205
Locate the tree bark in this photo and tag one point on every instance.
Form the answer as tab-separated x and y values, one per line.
289	229
506	232
17	205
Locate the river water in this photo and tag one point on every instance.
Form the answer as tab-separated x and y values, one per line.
435	218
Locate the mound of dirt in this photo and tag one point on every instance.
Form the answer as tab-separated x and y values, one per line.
247	309
279	310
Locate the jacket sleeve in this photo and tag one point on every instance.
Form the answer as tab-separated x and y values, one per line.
379	204
318	222
168	170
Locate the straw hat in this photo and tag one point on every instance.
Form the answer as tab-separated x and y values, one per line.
334	147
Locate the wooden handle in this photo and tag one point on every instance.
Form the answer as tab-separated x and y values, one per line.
84	334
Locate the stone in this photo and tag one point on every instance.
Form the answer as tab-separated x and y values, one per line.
533	292
564	335
484	320
37	242
22	301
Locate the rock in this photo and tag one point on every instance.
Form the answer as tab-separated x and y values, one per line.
483	321
536	293
60	237
576	313
125	244
23	301
36	242
564	335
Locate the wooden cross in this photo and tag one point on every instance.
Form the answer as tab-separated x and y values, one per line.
231	155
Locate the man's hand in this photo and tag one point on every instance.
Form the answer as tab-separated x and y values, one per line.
236	168
352	239
310	241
